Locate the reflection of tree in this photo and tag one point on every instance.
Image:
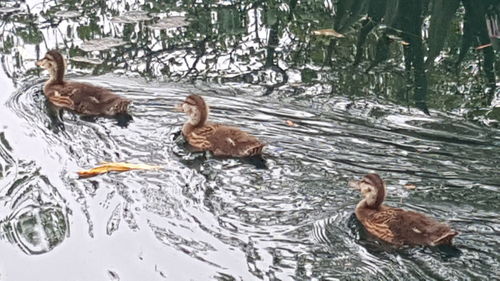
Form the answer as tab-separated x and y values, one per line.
475	32
263	42
406	23
410	23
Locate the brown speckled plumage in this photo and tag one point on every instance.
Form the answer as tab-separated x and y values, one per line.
80	97
221	140
394	225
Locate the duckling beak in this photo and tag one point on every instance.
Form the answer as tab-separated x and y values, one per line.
179	107
38	62
355	184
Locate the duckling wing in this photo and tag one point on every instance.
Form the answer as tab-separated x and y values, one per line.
400	227
87	99
379	224
61	101
199	137
231	141
225	141
59	95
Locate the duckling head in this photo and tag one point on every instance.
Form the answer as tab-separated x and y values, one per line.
373	189
196	109
55	63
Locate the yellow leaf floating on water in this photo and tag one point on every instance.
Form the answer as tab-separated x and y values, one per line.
115	166
328	32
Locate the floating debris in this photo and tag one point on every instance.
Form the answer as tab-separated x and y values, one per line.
131	17
398	39
328	32
101	44
170	22
67	14
106	167
87	60
484	46
410	186
113	275
291	123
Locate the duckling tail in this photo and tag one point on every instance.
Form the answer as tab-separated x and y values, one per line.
118	106
446	238
122	106
255	150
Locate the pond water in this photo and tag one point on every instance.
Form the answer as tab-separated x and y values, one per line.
203	218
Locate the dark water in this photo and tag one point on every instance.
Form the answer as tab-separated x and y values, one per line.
201	218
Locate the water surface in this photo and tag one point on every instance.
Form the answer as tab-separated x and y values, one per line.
203	218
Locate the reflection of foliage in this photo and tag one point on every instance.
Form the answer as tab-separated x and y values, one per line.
409	46
405	22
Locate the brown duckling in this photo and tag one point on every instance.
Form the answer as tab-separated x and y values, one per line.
80	97
221	140
393	225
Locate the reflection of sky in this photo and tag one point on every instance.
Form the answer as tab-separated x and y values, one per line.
132	255
25	146
127	253
7	88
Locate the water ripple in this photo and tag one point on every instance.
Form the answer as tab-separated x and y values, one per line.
293	220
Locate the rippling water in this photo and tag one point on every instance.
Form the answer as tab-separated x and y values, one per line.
202	218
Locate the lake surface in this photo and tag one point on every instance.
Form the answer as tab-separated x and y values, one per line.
203	218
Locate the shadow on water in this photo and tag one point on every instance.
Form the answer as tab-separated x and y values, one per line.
122	119
329	108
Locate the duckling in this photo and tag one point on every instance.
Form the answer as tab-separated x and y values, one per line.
80	97
393	225
221	140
